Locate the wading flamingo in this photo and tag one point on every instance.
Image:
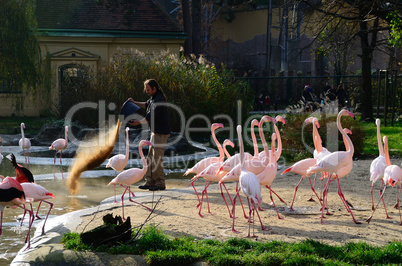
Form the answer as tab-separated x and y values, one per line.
23	174
131	176
38	193
59	145
119	161
211	173
198	167
24	143
12	195
250	186
393	177
338	164
377	167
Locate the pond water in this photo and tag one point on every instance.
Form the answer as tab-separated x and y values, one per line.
93	191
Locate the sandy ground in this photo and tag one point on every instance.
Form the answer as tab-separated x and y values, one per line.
178	215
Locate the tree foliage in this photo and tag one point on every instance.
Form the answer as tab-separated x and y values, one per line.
372	18
20	55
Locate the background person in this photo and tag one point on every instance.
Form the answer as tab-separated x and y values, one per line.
158	119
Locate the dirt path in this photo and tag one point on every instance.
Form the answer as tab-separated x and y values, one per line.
177	213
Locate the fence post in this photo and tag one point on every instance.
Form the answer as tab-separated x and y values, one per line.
386	98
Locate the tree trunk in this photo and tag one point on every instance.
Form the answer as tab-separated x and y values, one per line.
197	41
366	56
187	25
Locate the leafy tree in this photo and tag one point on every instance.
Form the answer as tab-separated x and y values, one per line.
372	16
20	55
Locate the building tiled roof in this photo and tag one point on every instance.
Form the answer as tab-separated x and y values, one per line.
120	15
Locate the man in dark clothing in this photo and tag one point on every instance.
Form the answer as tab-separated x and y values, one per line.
158	119
307	97
331	94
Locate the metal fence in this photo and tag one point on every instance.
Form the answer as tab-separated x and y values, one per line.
287	91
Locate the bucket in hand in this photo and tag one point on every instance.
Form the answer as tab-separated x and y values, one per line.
129	108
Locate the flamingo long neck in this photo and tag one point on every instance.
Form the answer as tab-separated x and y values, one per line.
127	146
272	158
262	137
256	152
220	149
346	139
226	152
241	147
380	147
317	138
278	137
386	152
22	132
65	136
143	159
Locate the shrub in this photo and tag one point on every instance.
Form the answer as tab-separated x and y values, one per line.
297	137
194	85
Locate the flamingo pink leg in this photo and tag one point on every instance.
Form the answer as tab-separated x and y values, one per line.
129	198
196	193
385	209
223	196
233	212
345	203
202	198
51	206
272	199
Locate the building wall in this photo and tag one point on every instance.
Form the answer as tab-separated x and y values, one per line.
95	52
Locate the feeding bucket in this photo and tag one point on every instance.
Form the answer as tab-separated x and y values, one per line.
129	108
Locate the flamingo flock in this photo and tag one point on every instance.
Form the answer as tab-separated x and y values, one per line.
249	171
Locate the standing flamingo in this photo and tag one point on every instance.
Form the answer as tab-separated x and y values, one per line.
131	176
319	151
338	164
255	164
250	186
233	161
119	161
59	145
198	167
301	168
23	174
212	173
278	151
392	176
377	167
38	193
12	194
24	143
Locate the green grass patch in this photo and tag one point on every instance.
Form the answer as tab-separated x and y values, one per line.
159	248
12	124
394	135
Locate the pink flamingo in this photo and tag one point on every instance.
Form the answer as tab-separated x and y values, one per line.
12	194
38	193
250	186
377	167
392	176
59	145
337	164
131	176
319	151
267	176
233	161
278	151
211	173
119	161
301	168
254	164
198	167
24	143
